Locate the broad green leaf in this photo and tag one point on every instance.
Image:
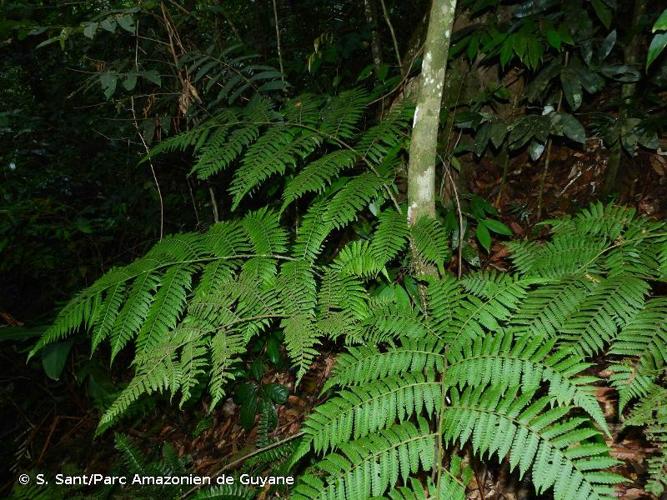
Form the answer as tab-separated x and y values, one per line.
661	23
535	149
572	128
273	85
658	44
109	24
108	81
621	73
245	393
571	88
130	81
554	39
603	12
54	358
498	132
152	76
506	52
247	413
482	139
20	333
89	30
483	236
497	227
126	22
273	350
607	45
277	392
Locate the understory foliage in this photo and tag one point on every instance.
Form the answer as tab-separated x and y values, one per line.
495	361
190	306
500	363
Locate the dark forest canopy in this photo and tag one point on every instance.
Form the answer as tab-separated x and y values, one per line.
378	248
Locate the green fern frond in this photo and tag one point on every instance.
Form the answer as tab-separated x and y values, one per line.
79	312
235	491
444	296
568	254
354	196
193	138
356	259
492	300
267	235
194	360
637	252
318	175
526	362
301	337
314	229
630	384
390	237
132	459
559	451
134	312
343	112
361	365
296	284
371	465
168	305
363	409
611	305
644	341
651	414
645	337
547	307
106	317
280	148
451	487
429	239
226	75
387	321
341	292
226	349
157	373
298	291
603	220
304	110
376	142
662	260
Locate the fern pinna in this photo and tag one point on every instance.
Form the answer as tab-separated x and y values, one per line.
500	364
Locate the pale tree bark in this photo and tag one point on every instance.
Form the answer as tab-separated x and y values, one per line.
421	167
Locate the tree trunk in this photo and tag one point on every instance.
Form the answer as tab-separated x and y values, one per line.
421	168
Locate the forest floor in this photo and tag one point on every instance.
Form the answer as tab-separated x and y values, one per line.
64	424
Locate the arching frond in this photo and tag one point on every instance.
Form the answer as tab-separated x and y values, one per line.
562	453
